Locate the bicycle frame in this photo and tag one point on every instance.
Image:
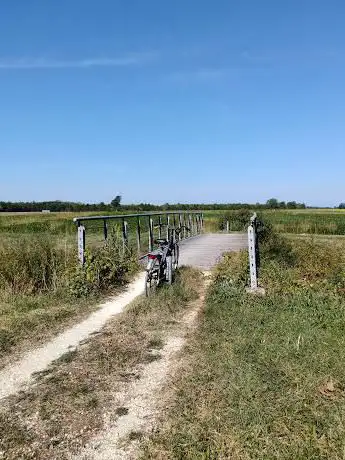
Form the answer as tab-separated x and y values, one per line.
160	255
160	262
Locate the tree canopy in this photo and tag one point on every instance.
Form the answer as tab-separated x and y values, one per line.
115	204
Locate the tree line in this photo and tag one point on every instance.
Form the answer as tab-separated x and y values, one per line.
115	205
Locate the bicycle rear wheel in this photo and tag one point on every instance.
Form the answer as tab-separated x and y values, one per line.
151	282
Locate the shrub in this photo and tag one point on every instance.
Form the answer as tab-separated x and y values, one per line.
105	267
274	246
35	265
238	220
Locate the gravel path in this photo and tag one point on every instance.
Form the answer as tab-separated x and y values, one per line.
202	252
15	376
141	400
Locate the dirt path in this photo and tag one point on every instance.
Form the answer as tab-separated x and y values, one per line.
18	375
203	252
142	399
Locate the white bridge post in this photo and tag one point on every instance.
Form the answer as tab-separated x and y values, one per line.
252	250
81	244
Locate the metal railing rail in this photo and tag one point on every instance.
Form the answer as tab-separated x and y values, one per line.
191	221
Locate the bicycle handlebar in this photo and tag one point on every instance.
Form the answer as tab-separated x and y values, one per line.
179	229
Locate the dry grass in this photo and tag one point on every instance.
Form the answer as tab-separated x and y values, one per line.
66	407
42	288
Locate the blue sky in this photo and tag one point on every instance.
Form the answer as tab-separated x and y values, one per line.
191	101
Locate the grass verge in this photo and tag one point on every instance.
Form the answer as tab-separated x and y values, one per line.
43	289
264	376
67	405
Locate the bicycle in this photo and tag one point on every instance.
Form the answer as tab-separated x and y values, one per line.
162	262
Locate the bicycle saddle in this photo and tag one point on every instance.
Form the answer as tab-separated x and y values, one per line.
161	241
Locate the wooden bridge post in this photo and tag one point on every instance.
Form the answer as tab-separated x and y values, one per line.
124	233
184	226
138	235
190	231
105	230
81	244
252	257
174	226
150	234
168	225
180	225
253	250
160	226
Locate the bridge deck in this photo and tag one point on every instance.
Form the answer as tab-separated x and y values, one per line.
204	251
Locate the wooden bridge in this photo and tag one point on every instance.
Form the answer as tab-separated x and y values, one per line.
204	251
197	249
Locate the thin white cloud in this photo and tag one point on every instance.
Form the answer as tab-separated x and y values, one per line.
201	75
43	63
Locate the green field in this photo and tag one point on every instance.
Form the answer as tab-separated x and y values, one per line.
309	221
312	221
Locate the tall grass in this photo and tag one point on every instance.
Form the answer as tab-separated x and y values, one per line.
41	283
264	375
306	221
33	265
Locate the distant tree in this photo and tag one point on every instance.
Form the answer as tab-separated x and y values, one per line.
272	203
282	205
116	202
341	206
291	205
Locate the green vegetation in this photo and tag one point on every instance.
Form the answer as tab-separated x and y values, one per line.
115	204
42	287
264	375
56	417
40	281
309	221
105	267
298	221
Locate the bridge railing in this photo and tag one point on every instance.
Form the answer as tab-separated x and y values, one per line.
138	230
